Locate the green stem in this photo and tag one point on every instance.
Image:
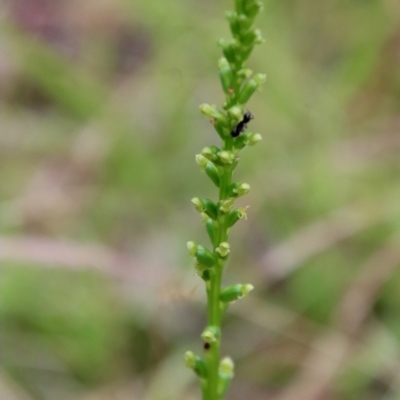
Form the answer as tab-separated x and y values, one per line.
211	381
214	316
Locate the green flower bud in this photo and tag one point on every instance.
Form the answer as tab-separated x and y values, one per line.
247	288
210	208
248	89
198	204
240	189
235	292
225	206
201	161
235	215
222	63
233	20
254	138
203	272
190	359
210	152
222	130
244	22
226	367
212	172
192	247
226	372
226	75
236	113
211	111
204	217
206	275
253	9
242	141
229	49
196	364
246	138
245	73
223	249
226	157
252	37
211	334
246	51
260	79
239	6
210	227
206	206
258	39
204	256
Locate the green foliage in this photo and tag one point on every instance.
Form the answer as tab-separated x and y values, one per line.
71	318
316	289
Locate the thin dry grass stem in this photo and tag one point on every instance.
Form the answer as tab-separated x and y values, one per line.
52	253
318	373
320	236
360	297
11	390
356	153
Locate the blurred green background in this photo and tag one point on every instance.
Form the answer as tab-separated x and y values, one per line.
99	125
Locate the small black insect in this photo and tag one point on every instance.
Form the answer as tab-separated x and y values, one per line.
242	125
207	346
